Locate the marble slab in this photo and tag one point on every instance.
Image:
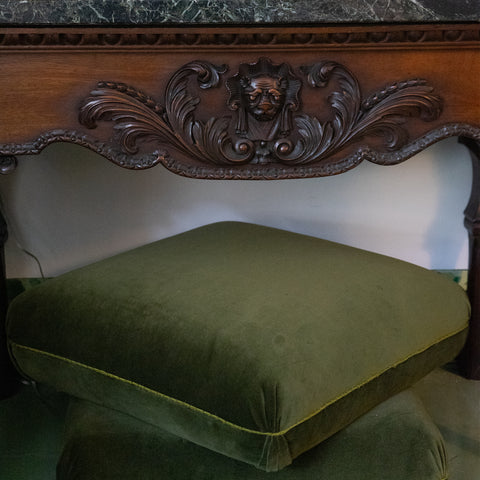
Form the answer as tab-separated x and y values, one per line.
175	12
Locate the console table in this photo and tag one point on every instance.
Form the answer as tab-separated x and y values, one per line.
293	91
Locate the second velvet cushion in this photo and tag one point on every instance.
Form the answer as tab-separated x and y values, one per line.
251	341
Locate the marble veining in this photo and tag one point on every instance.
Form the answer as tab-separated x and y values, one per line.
156	12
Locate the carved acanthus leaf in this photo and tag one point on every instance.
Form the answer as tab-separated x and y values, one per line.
264	97
133	118
383	114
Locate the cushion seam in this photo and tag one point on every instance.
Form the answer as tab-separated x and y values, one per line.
373	377
226	422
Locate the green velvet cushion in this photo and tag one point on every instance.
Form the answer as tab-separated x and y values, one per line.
251	341
395	441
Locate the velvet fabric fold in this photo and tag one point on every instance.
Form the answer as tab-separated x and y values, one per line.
395	441
251	341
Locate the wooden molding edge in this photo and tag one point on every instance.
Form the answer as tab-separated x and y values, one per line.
112	153
238	37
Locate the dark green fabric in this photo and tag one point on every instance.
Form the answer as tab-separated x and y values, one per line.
251	341
395	441
15	286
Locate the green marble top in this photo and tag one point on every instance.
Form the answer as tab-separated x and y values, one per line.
199	12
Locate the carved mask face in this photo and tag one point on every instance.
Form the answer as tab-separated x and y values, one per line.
264	96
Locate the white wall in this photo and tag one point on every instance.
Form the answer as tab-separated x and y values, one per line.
69	207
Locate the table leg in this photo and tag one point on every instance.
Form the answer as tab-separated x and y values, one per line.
9	380
470	358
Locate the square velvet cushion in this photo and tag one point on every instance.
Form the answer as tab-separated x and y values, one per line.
250	341
395	441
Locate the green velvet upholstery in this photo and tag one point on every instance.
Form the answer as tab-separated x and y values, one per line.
253	342
395	441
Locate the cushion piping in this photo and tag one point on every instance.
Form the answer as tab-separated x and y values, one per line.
211	415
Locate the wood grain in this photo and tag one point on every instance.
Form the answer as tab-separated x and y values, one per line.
47	76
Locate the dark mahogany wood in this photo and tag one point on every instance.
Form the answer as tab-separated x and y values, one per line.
248	102
9	378
471	354
266	128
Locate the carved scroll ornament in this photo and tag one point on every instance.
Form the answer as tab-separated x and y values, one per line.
268	129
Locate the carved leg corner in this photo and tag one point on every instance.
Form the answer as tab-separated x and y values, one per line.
8	163
9	380
470	357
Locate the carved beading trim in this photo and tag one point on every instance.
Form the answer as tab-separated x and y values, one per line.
245	172
269	172
108	151
223	37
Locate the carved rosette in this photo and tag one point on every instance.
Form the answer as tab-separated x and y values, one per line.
269	130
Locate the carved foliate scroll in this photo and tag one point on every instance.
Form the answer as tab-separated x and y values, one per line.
268	129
